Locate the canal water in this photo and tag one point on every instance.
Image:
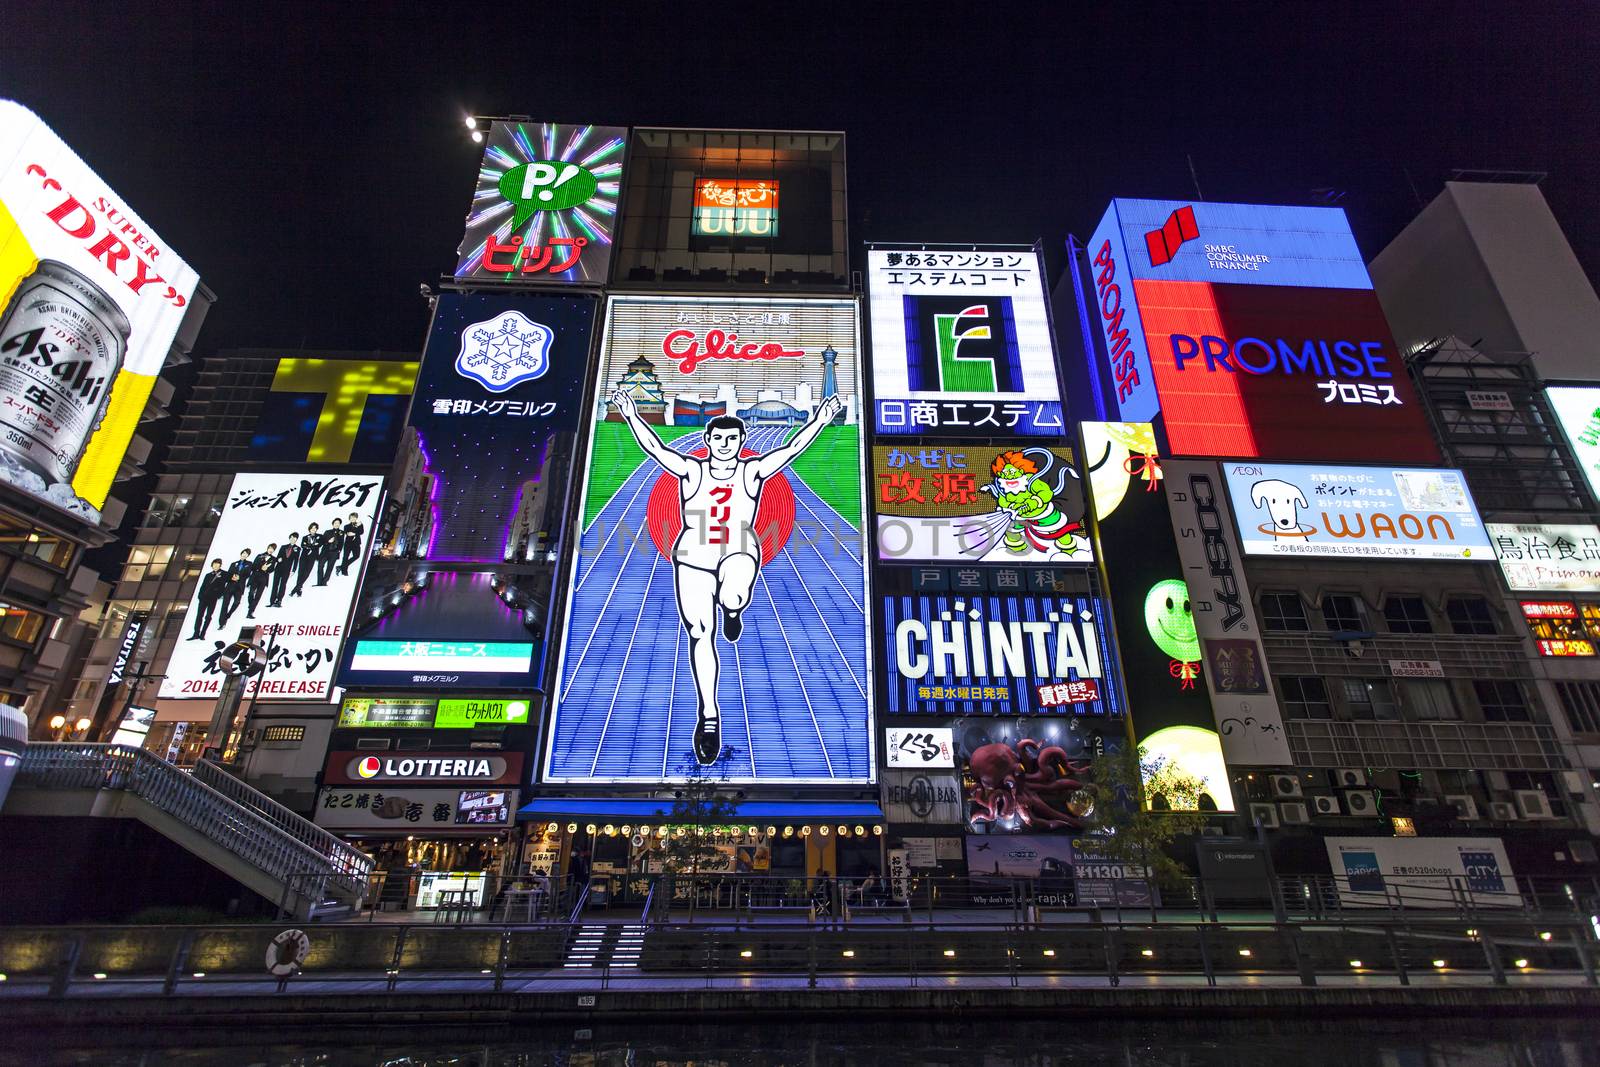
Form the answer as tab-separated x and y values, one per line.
871	1041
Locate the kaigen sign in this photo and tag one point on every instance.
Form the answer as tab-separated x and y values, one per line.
1250	331
716	609
1374	512
91	299
958	503
545	207
286	556
986	655
1543	557
734	207
961	342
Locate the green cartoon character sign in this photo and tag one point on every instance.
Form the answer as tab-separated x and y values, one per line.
1169	619
1042	517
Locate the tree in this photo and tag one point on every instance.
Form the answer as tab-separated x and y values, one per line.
1142	804
698	809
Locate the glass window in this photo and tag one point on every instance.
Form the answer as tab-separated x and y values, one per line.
1304	698
1369	699
1283	611
1428	699
1501	701
1341	611
1407	615
1470	615
1581	701
20	624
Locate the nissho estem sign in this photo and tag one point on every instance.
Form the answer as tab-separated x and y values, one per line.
1374	512
480	711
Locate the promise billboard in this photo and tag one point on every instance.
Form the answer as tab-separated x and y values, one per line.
1250	330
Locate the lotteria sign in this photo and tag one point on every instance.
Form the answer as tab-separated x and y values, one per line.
1250	331
497	768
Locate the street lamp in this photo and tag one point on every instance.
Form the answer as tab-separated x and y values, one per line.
58	723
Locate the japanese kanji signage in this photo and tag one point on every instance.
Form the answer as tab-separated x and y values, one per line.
546	204
409	809
958	654
716	614
1016	503
1577	409
1544	557
386	713
1322	510
501	376
1562	627
1250	331
1236	674
928	746
286	556
1416	668
735	207
961	342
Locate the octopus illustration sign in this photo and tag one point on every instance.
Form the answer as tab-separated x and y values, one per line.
716	607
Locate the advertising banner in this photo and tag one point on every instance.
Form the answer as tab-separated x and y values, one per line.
1022	775
321	410
716	613
1563	627
90	301
963	504
545	208
410	809
994	862
460	714
1542	557
923	797
1577	409
1372	512
734	207
1252	331
386	713
1159	643
286	557
1235	671
919	747
961	342
354	768
957	654
1423	872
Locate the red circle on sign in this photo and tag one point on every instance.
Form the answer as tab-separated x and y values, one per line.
368	767
774	511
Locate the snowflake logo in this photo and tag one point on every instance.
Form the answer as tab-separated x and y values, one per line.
505	351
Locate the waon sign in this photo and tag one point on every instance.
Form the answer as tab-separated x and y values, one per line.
1250	331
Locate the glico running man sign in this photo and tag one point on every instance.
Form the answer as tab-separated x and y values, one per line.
716	607
961	342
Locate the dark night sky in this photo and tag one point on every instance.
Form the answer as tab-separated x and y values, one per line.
315	169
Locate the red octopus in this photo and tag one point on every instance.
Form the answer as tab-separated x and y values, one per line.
1028	782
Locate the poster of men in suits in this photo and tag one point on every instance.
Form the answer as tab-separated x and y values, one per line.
286	558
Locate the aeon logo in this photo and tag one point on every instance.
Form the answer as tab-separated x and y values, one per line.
369	767
1165	242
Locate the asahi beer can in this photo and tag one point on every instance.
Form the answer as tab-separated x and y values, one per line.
62	342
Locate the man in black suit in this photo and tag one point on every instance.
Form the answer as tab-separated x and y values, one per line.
238	579
261	569
328	552
354	535
310	547
206	603
288	557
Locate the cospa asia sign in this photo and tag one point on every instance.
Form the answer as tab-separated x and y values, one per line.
961	342
1250	331
1374	512
496	768
90	301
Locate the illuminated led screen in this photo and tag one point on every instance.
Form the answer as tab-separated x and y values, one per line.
1546	557
716	607
1563	628
732	207
1577	409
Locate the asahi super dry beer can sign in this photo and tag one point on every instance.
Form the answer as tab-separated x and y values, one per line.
90	300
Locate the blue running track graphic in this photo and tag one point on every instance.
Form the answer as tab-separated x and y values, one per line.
793	690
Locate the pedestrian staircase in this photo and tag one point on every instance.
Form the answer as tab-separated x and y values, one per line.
601	945
242	832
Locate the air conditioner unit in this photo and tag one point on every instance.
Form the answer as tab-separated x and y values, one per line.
1326	805
1265	814
1294	812
1361	802
1503	811
1286	785
1533	804
1466	807
1349	778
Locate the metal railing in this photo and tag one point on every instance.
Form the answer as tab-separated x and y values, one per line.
45	961
267	836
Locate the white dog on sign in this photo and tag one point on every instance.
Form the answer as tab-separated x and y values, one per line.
1283	501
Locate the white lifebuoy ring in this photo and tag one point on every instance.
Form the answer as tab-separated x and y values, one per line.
287	952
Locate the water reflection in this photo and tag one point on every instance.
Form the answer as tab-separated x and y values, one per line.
879	1042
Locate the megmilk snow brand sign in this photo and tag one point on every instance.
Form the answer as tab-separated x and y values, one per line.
286	556
497	768
90	301
1251	331
1547	557
961	342
1374	512
1248	719
545	206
